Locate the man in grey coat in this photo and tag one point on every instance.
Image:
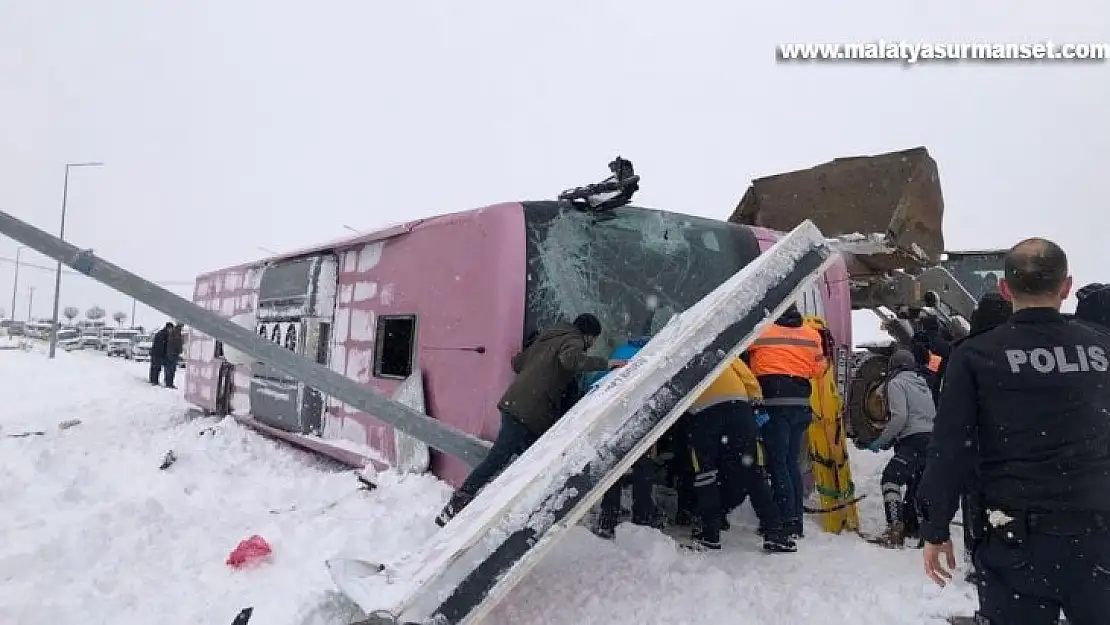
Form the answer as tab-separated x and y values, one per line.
912	411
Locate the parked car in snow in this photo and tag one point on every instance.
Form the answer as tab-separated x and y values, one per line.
90	338
122	341
140	350
69	339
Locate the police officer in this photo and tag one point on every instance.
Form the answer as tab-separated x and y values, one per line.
1035	393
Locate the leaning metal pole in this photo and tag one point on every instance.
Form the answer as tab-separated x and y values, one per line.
436	434
58	271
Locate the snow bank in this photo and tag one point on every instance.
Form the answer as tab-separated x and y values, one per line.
95	533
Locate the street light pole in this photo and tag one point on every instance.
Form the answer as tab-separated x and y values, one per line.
133	312
30	301
15	280
58	272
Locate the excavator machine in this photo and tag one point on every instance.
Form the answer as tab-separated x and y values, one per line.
886	213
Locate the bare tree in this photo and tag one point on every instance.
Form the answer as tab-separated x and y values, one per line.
71	313
95	313
119	317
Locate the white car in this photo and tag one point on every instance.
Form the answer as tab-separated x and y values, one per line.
140	351
122	347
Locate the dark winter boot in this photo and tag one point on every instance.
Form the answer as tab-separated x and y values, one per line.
699	542
895	535
459	500
606	526
704	540
777	541
657	519
683	517
794	529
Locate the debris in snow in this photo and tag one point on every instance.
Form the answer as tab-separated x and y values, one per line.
368	477
26	434
168	460
249	551
365	485
243	617
68	423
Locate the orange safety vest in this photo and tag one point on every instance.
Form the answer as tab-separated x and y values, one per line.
788	351
934	362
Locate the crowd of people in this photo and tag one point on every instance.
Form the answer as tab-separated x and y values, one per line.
1010	424
764	393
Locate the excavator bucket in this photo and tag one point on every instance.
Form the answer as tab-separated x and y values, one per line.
895	195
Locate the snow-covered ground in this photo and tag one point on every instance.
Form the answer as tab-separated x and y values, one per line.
95	533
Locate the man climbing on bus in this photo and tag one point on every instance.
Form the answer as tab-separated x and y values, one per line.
722	434
785	359
534	400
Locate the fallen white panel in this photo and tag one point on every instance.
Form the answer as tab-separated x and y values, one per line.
413	456
482	553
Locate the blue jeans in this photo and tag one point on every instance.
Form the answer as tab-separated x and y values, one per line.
513	439
782	438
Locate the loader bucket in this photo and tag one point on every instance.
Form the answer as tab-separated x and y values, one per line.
896	195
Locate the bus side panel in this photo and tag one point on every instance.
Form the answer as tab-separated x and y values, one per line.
459	280
227	292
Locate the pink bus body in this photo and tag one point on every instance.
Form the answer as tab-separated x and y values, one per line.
453	297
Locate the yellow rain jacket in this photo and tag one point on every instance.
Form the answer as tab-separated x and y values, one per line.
736	383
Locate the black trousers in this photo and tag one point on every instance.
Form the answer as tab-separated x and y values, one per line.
903	470
723	439
155	369
1027	576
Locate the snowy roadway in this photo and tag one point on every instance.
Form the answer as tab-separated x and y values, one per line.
93	532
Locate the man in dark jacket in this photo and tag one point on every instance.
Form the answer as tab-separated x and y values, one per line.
993	310
175	345
158	352
1094	304
1035	391
534	401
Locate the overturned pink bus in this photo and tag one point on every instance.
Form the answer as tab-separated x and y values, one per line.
452	298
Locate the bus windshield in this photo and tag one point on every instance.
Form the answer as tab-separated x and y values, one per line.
632	267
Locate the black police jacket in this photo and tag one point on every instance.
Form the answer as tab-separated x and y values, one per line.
1035	393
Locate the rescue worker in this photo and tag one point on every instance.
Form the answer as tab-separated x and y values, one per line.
643	470
1094	304
785	359
1035	393
534	400
911	409
722	428
992	311
158	346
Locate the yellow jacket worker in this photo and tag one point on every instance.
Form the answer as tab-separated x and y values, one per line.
722	447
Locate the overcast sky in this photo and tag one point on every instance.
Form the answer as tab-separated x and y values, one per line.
228	125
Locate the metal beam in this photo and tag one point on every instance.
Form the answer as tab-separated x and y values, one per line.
435	434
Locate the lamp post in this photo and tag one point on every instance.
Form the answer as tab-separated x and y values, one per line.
133	324
15	280
30	301
58	271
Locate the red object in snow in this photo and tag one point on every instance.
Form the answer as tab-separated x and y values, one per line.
249	551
